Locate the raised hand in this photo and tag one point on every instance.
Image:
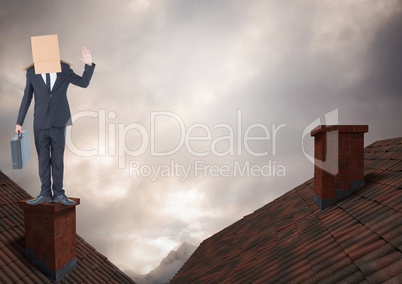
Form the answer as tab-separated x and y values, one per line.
86	56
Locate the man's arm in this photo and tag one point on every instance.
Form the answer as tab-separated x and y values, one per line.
25	103
83	81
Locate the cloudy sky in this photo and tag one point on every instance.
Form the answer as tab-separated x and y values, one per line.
163	148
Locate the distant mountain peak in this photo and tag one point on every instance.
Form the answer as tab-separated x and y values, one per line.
168	267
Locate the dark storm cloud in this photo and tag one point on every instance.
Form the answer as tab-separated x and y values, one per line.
384	59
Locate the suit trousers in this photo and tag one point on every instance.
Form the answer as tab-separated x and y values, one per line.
50	144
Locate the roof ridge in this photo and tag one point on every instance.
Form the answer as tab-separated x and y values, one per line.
386	140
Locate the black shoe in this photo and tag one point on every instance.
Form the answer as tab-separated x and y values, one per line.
63	199
38	200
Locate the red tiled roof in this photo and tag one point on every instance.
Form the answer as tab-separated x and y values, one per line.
290	240
15	267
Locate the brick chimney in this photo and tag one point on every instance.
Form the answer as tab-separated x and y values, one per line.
339	162
50	237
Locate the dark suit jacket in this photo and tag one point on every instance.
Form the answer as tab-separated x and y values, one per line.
51	107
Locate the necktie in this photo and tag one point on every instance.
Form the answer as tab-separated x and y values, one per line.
48	81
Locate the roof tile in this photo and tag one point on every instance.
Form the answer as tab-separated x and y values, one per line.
334	268
394	280
390	271
340	275
4	277
363	250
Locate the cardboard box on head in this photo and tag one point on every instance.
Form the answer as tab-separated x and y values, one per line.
46	54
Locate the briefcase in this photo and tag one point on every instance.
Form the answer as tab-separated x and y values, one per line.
20	149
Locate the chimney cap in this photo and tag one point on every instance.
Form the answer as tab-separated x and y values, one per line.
47	207
339	128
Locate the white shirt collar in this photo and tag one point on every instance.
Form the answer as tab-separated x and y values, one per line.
53	77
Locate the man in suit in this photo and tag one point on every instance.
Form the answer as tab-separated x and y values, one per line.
51	116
